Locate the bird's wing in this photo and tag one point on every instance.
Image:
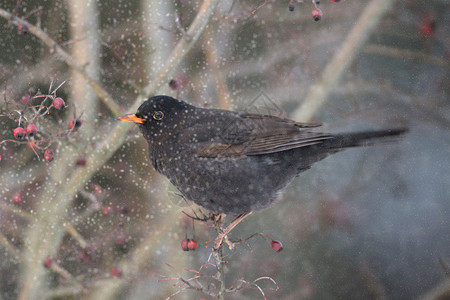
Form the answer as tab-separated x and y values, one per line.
251	134
281	120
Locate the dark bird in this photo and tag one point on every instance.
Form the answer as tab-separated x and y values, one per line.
232	162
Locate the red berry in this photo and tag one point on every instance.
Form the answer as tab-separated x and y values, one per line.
192	245
427	25
75	123
317	14
291	6
48	155
31	130
23	29
277	246
115	272
19	133
336	0
121	240
184	244
25	98
97	189
81	161
107	211
178	82
426	30
17	198
174	84
87	253
48	262
58	103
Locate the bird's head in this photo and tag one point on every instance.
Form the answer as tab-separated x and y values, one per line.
159	117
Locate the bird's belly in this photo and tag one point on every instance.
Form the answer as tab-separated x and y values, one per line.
225	185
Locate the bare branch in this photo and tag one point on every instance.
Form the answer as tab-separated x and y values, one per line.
38	32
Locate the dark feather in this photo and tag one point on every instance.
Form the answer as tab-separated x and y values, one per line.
261	134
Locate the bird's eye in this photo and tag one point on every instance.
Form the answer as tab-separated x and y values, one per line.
158	115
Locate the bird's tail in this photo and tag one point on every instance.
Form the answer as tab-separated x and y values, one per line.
365	138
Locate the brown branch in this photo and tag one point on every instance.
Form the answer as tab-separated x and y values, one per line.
406	54
17	211
76	235
73	291
182	47
212	57
11	249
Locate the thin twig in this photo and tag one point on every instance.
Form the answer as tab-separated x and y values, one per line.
10	248
223	95
76	235
185	284
220	263
259	6
65	292
39	33
55	267
406	54
17	211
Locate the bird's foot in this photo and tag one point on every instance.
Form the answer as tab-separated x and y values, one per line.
223	232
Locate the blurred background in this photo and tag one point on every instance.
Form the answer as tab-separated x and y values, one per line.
97	222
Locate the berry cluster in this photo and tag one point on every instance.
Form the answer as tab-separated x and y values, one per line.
189	244
28	114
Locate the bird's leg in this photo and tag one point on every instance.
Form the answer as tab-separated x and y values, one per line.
223	233
218	220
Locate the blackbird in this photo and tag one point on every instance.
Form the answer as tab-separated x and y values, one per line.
234	162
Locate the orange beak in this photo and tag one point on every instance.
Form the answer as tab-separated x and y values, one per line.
132	118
